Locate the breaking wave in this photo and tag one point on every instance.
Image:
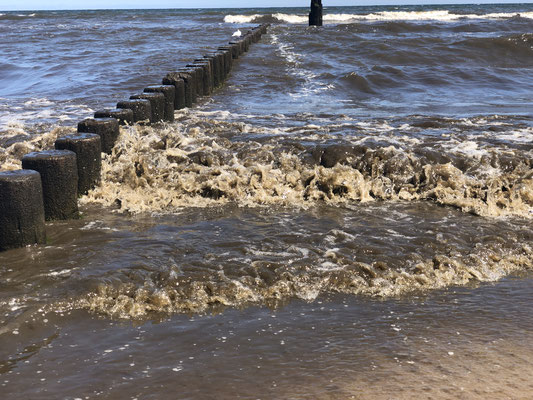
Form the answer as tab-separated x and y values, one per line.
136	293
163	171
197	163
436	15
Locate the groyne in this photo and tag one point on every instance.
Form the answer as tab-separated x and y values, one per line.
50	182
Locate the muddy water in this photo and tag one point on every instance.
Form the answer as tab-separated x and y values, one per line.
347	221
232	302
341	347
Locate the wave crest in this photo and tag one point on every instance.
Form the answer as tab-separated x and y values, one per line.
137	295
154	171
435	15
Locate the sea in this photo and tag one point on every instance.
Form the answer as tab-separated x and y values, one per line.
348	217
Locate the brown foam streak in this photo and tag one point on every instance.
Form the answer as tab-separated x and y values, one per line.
272	285
163	171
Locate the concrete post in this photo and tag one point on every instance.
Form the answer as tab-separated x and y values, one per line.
228	57
199	71
218	68
190	76
235	49
208	74
184	85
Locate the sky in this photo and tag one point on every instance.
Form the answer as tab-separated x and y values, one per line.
7	5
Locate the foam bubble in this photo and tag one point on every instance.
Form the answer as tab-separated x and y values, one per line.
193	163
10	157
35	111
39	102
469	148
516	136
310	85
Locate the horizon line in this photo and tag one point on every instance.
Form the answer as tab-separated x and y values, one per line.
385	3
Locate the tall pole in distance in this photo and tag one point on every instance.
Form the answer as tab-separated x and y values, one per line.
315	16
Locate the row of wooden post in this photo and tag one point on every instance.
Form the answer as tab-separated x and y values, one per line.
49	183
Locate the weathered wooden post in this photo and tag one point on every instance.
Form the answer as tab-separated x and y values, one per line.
169	91
124	116
315	16
107	128
21	209
88	149
59	178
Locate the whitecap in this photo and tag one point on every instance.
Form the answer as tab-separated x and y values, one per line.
517	136
240	19
433	15
292	19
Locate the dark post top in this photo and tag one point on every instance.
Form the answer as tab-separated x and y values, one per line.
315	16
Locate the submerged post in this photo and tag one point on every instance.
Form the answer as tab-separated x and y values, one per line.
315	16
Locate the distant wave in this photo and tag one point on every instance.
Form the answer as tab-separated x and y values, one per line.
16	16
443	15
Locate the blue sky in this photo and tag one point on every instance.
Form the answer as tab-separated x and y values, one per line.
6	5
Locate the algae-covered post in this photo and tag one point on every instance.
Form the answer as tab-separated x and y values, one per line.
315	16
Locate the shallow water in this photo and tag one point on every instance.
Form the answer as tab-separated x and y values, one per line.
348	217
468	343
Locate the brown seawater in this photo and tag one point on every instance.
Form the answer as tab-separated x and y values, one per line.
348	221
